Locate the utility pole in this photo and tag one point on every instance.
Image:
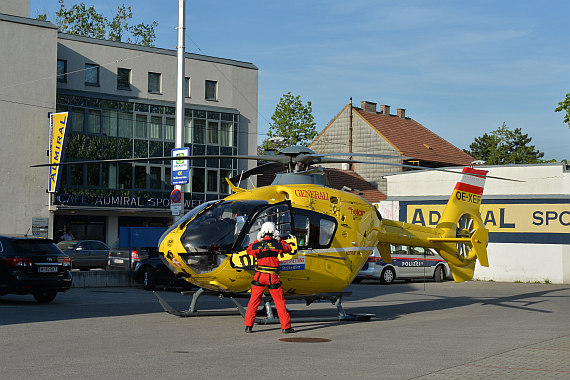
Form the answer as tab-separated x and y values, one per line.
180	49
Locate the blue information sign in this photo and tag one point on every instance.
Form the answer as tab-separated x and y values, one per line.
180	174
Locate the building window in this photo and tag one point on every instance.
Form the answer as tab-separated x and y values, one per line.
123	79
187	87
154	83
61	70
211	90
91	74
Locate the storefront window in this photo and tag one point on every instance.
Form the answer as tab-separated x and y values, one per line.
109	129
198	180
155	127
226	133
125	176
199	131
125	125
141	126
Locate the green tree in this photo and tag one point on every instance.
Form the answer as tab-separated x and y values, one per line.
87	22
565	106
293	124
504	146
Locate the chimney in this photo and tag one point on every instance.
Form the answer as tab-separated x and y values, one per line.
368	106
401	112
385	109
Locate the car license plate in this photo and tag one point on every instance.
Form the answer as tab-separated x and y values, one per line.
118	261
47	269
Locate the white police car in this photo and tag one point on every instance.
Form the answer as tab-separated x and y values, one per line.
407	263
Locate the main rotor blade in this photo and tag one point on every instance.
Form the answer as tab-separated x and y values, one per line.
361	155
279	159
435	169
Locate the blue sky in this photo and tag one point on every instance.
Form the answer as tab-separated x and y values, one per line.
460	68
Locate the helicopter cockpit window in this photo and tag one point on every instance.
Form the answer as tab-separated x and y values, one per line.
278	214
217	228
312	229
326	231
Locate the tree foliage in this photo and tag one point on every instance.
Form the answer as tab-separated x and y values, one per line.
87	22
293	124
504	146
565	106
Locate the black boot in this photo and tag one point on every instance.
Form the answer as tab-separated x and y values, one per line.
290	330
248	329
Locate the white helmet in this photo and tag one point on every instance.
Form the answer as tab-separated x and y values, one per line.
267	228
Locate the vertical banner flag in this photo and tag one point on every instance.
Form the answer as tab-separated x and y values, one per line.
57	124
180	174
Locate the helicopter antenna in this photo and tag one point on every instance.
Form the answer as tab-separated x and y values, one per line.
351	167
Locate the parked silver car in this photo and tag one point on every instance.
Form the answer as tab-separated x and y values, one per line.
407	263
85	254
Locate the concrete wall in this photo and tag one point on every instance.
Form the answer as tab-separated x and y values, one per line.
19	8
529	221
28	51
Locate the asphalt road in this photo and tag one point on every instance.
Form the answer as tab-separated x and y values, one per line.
434	330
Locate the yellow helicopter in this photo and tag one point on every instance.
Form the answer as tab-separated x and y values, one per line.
332	232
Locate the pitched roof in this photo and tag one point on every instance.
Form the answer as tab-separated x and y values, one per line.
414	140
340	178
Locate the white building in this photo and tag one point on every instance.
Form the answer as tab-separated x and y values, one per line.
529	222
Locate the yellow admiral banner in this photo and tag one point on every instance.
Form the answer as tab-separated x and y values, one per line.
508	217
58	122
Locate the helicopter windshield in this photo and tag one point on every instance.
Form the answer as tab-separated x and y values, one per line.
216	229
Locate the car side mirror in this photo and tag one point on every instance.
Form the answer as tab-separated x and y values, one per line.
79	249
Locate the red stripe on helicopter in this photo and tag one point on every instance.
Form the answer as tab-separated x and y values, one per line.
469	188
473	181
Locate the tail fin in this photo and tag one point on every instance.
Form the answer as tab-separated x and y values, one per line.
464	237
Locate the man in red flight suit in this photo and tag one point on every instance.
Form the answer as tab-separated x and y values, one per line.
266	251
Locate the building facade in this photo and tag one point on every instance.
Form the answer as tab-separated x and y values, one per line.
366	130
120	100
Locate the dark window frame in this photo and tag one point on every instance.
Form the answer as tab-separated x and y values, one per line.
120	84
62	77
207	94
92	67
155	76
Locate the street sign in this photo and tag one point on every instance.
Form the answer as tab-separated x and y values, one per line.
176	208
180	174
175	196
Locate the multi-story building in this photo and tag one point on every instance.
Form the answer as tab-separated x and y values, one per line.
120	100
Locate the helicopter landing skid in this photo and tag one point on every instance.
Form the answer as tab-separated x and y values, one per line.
192	311
335	298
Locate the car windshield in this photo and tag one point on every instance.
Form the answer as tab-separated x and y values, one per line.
66	245
39	247
217	228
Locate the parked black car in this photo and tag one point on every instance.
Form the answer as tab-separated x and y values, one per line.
86	254
151	272
33	265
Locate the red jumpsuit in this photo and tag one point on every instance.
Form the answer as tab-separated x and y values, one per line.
267	251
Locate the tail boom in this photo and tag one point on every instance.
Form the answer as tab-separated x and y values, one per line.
460	237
